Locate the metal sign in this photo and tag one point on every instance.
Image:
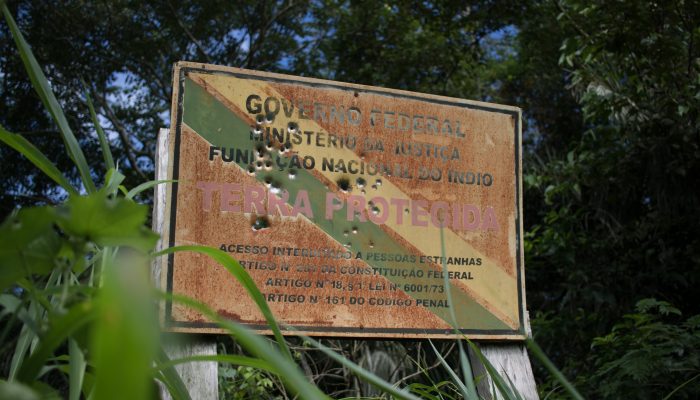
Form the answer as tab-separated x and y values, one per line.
358	211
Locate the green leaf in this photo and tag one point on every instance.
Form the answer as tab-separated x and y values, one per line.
29	245
664	307
107	221
43	89
17	391
113	180
36	157
125	336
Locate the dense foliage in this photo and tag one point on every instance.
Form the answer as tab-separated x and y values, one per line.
615	220
611	97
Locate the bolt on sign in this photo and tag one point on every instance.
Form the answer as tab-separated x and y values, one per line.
357	210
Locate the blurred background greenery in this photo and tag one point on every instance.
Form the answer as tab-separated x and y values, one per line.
610	92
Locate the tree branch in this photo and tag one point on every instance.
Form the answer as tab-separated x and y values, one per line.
262	33
123	135
190	35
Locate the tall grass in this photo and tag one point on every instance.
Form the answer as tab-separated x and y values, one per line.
79	311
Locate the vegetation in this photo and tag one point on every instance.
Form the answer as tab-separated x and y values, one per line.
610	92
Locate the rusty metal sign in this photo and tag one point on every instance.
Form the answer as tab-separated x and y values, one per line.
358	211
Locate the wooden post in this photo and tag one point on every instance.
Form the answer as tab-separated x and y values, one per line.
513	364
201	378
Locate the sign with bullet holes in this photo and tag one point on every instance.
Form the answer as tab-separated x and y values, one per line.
358	211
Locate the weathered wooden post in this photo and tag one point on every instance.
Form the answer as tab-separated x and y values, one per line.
201	378
355	209
512	361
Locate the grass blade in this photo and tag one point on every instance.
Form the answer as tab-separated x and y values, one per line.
25	338
77	369
147	185
170	378
18	391
62	327
495	376
104	144
43	89
681	386
466	393
36	157
539	354
220	358
113	180
463	359
466	368
362	373
514	389
29	330
244	278
124	339
256	345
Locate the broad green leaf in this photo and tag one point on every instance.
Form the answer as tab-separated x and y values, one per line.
43	89
29	244
36	157
125	336
106	221
17	391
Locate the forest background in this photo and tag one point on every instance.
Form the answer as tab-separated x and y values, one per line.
610	92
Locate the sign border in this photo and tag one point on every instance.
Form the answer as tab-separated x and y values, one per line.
169	226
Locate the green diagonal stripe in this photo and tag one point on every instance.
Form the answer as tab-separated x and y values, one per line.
221	127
